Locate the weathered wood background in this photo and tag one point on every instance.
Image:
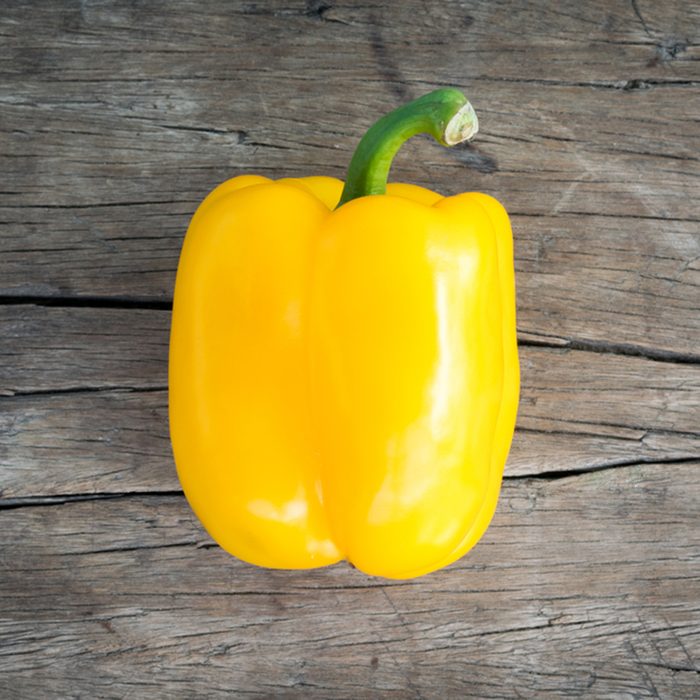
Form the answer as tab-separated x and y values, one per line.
116	118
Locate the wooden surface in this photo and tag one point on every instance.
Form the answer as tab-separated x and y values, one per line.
116	118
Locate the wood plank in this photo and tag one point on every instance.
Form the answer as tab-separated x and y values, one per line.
86	405
112	137
117	441
84	443
598	281
586	585
553	150
629	281
536	41
62	349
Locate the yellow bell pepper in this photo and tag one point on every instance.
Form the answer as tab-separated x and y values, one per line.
344	377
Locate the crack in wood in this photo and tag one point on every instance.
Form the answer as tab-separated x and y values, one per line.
11	394
100	205
88	302
582	344
595	84
386	66
672	667
611	348
553	475
134	548
637	12
67	499
557	475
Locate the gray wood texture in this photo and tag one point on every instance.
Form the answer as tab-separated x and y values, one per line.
116	119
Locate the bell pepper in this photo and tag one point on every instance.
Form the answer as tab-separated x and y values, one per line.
343	366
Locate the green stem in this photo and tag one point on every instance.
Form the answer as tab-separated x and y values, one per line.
445	114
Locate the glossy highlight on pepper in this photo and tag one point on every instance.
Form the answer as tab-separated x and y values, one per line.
343	363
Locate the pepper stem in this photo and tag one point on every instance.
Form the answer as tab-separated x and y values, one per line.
445	114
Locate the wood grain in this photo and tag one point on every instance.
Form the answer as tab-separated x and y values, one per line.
85	405
117	117
582	586
587	137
